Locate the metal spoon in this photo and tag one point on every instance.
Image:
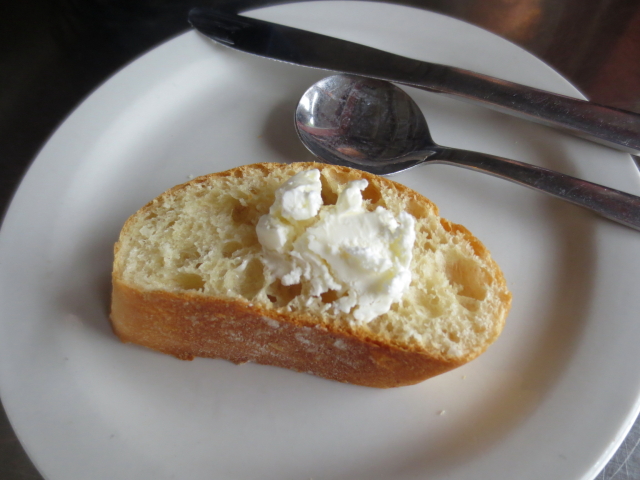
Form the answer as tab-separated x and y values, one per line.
374	126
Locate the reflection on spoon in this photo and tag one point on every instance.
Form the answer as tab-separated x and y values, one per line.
374	126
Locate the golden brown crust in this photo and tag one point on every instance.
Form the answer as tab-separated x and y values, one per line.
188	326
191	324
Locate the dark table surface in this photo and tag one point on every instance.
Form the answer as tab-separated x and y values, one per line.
53	53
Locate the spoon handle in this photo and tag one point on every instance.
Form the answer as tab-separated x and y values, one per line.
613	204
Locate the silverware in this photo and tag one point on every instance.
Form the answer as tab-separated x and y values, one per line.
615	128
374	126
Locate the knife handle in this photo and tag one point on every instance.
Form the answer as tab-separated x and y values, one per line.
615	128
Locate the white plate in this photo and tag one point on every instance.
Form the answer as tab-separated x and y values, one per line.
551	399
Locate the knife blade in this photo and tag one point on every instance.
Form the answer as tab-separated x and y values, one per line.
615	128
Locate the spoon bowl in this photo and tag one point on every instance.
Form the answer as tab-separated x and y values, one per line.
374	126
362	123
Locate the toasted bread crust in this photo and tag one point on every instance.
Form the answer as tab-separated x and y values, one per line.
191	324
188	326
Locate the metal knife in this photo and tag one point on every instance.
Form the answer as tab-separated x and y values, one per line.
612	127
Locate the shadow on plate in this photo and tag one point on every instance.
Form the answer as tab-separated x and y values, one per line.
87	291
280	137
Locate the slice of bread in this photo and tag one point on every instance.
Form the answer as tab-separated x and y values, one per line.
188	280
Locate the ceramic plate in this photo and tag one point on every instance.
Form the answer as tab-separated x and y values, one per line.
551	399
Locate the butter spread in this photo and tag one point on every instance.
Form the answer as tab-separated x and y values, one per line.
363	256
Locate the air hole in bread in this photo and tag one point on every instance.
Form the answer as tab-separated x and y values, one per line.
284	294
229	248
245	214
330	296
479	329
189	281
469	278
372	193
329	195
189	253
453	336
272	298
251	279
417	209
470	304
387	327
435	307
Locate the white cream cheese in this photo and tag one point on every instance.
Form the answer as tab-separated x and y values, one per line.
363	256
